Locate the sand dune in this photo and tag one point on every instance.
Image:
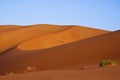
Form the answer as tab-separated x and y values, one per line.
83	52
72	34
53	52
12	38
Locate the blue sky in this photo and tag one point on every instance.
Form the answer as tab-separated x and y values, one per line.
103	14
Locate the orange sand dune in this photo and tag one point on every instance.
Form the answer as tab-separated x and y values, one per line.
4	28
72	34
10	39
83	52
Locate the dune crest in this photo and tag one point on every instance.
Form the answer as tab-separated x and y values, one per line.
12	38
4	28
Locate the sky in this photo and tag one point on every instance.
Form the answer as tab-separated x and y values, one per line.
101	14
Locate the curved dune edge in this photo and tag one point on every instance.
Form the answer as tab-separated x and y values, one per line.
92	50
72	34
12	38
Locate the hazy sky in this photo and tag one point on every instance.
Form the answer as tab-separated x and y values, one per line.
103	14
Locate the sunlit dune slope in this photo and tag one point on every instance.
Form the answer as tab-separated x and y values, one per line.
72	34
12	38
4	28
92	50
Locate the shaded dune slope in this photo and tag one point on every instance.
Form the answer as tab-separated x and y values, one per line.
72	34
92	50
73	74
12	38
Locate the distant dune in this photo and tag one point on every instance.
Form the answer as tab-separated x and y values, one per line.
12	38
4	28
74	33
54	47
